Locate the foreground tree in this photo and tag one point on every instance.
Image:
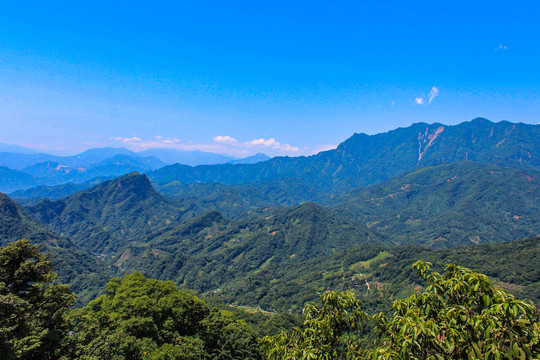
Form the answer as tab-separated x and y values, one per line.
141	318
33	321
460	315
328	331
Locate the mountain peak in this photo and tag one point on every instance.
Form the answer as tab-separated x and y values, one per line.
132	184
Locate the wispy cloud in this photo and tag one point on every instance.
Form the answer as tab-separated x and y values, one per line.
220	144
501	47
433	94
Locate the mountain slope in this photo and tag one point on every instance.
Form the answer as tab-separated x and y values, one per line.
111	214
449	205
378	275
74	265
235	201
363	160
205	252
11	180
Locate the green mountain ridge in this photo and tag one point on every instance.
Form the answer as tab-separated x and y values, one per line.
112	213
363	160
449	205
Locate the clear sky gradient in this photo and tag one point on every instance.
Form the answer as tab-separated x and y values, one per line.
241	77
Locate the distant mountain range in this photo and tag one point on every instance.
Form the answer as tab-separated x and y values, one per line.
251	159
364	160
191	158
49	170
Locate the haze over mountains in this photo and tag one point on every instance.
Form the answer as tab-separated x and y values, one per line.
247	230
92	164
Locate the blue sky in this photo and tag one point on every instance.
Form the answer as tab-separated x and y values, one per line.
241	77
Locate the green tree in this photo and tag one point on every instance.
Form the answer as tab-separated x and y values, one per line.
33	308
328	331
141	318
459	315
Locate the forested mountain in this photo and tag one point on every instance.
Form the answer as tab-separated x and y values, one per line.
235	200
75	266
11	180
363	160
378	275
112	214
205	252
276	234
448	205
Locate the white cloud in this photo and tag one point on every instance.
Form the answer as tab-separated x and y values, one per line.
220	144
139	144
267	143
433	94
501	47
225	140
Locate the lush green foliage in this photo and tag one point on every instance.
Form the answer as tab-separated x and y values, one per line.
33	324
140	318
75	266
325	332
234	201
459	315
378	274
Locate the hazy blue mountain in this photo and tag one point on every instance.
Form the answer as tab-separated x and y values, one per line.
11	180
93	156
15	148
449	205
35	194
51	170
20	161
363	159
251	159
53	173
192	158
